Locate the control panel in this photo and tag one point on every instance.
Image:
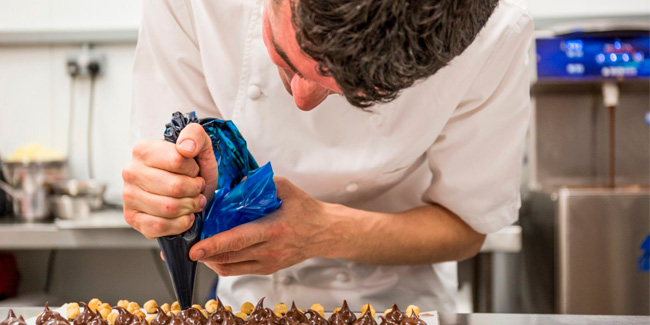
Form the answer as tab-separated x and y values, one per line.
593	57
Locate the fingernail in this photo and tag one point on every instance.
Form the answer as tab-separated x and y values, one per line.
188	145
203	201
198	255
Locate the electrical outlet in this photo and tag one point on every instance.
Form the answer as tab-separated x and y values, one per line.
86	63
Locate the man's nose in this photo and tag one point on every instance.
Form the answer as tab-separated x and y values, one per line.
307	94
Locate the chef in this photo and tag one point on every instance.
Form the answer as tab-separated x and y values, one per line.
395	128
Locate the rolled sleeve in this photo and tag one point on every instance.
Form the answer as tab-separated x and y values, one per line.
476	161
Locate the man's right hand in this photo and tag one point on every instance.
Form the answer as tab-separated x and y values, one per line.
166	183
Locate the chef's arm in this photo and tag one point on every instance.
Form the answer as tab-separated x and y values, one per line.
427	234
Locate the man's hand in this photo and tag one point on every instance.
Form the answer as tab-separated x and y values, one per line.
166	183
293	233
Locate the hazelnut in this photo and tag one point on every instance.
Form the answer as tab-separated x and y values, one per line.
247	308
412	309
319	309
150	306
93	304
365	308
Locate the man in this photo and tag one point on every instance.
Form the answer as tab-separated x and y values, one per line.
379	200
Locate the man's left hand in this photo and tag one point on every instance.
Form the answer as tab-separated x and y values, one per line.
290	235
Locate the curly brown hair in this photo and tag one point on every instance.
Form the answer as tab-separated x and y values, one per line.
376	48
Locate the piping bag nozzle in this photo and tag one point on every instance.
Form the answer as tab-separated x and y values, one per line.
181	268
176	248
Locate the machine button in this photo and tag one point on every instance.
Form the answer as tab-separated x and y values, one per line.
254	92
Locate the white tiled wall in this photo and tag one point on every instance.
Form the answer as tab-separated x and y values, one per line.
69	14
35	102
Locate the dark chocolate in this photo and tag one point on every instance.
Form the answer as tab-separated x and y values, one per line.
13	320
232	319
293	315
344	316
85	316
365	319
413	320
262	316
49	317
126	318
193	316
314	318
394	316
220	314
161	318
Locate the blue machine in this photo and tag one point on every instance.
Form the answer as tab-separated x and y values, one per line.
594	56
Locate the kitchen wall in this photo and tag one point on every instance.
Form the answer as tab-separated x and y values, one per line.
36	94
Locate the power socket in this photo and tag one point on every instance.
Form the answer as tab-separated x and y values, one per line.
86	63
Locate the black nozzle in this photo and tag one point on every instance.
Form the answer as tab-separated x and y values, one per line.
181	269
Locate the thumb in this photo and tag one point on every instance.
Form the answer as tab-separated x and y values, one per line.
193	142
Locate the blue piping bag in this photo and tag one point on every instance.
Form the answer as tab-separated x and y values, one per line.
235	201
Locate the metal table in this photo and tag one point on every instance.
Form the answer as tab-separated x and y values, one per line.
468	319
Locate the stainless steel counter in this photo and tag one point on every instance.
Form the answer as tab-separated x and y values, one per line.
107	229
470	319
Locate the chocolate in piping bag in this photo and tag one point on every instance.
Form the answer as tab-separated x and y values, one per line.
236	200
176	248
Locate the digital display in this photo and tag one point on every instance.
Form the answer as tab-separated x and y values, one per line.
593	57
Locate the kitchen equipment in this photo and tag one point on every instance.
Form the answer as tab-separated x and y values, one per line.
28	185
92	191
581	251
70	207
588	206
6	208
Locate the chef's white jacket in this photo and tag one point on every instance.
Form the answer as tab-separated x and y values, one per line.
455	139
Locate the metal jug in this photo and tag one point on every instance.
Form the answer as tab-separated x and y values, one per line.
28	185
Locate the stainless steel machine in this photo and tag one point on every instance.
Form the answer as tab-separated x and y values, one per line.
588	201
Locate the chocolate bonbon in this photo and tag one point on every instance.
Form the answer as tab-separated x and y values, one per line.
13	320
220	315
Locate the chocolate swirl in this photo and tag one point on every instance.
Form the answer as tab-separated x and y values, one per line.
344	316
365	319
88	316
126	318
413	320
49	317
193	316
161	318
314	318
13	320
293	316
394	316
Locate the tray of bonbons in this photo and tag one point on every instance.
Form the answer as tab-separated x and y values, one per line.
96	312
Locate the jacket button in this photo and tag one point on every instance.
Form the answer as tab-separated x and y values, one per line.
375	119
285	279
254	92
352	187
342	277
